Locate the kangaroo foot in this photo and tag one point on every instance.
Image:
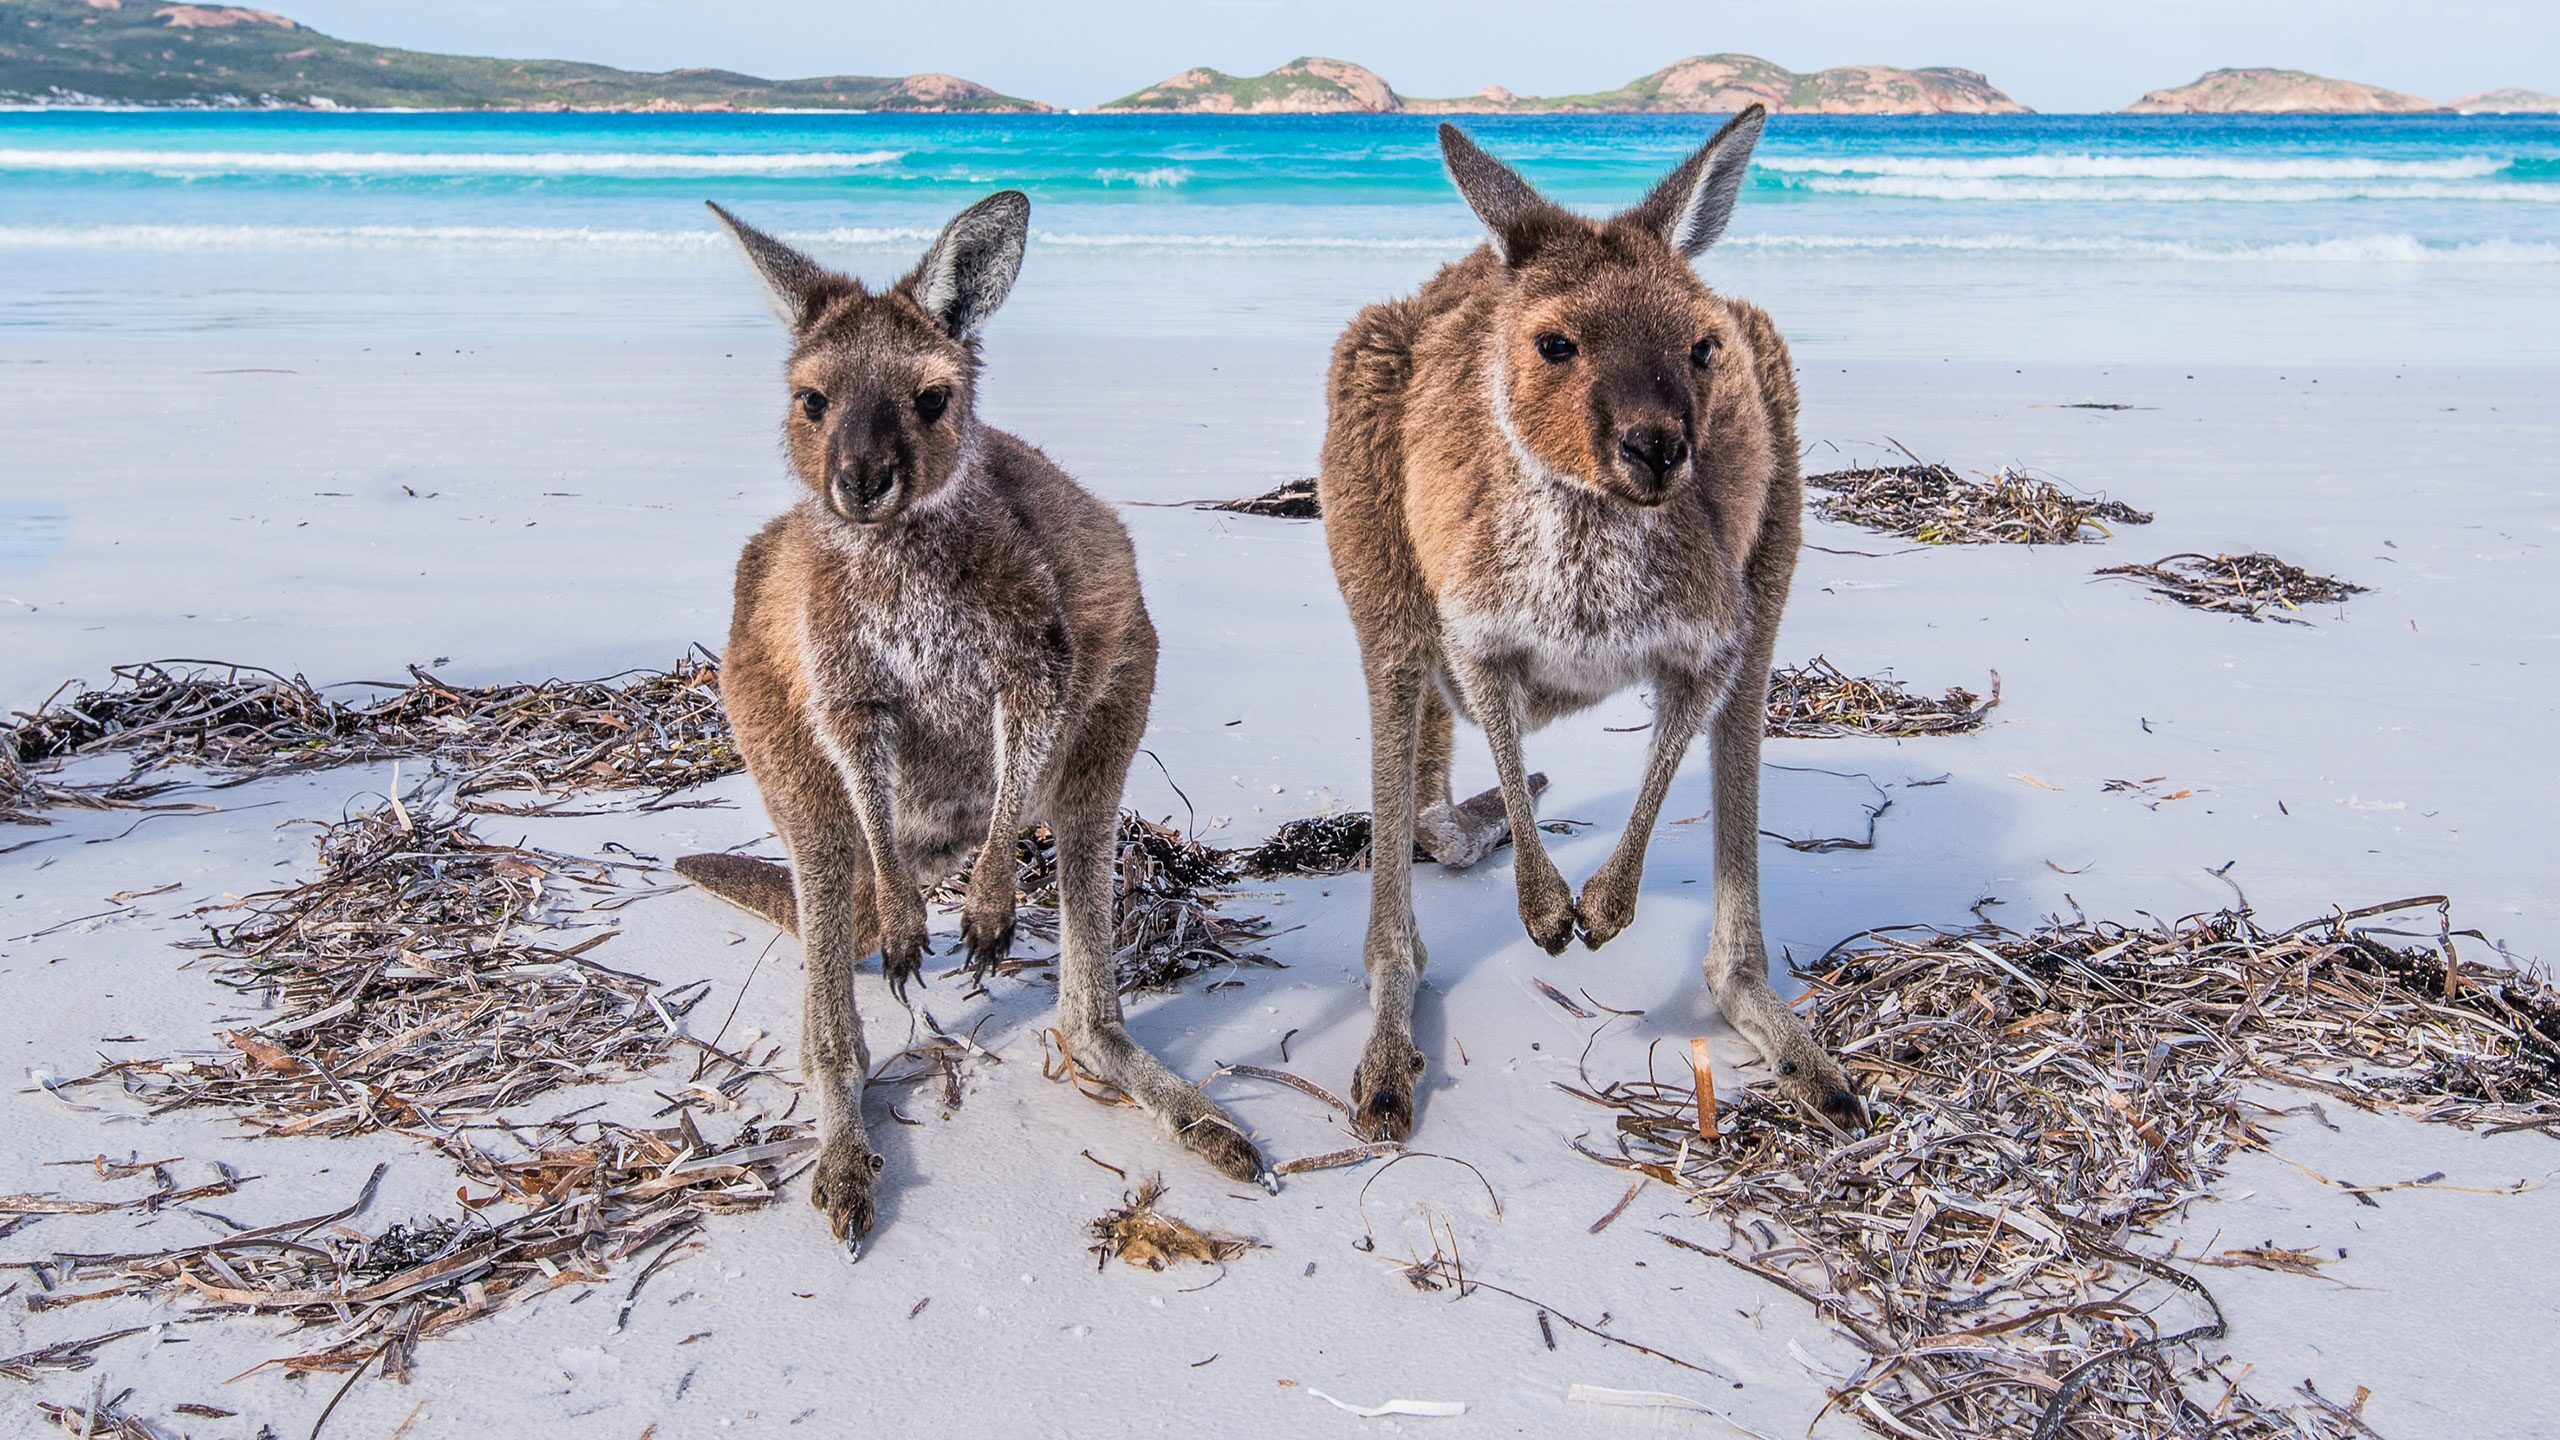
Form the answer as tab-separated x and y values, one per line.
1382	1089
1215	1138
840	1187
1460	835
1816	1082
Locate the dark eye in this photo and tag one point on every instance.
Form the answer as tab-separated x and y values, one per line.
813	405
1703	353
1556	349
930	404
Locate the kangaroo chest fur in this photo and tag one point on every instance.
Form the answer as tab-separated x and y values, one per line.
916	632
1580	596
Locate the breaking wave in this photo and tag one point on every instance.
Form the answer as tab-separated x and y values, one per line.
2387	249
395	162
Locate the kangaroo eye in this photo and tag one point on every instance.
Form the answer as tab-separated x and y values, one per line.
1556	349
813	405
1703	353
930	404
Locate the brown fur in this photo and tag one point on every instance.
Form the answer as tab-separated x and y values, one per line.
942	642
1522	526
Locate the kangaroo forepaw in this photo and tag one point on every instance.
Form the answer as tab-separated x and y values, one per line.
902	960
1816	1082
1546	909
1607	906
840	1186
1382	1090
986	936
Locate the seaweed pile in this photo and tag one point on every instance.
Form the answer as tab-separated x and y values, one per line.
590	1197
1816	700
2046	1103
1168	890
657	730
2256	586
408	987
1936	506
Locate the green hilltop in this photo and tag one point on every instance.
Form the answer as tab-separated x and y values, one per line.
137	52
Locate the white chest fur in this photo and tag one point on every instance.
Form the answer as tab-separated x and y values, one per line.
1578	599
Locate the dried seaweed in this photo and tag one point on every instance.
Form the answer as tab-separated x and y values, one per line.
1168	890
1294	500
1936	506
1817	700
660	730
2256	586
409	989
2047	1103
1140	1234
1315	845
588	1197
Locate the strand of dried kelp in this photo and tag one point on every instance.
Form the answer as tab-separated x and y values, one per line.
407	988
1169	890
1817	700
1292	500
2255	585
659	730
587	1198
2045	1103
1936	506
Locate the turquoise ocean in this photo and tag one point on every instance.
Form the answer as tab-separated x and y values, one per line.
2133	232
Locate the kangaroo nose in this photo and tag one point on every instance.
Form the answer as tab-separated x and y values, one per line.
1658	450
863	486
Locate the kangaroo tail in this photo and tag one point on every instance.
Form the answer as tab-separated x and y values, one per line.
748	883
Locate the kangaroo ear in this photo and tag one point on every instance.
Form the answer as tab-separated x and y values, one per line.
1689	208
796	286
972	265
1510	208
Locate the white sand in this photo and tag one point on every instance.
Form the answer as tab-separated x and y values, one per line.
2395	749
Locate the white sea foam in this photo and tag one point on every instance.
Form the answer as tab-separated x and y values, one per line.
1162	177
2174	192
2395	249
395	162
2132	167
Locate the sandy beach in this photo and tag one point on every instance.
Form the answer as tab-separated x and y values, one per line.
505	498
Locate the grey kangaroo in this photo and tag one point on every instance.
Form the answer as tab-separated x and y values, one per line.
941	642
1563	468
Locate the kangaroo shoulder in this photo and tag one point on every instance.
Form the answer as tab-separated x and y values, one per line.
1770	361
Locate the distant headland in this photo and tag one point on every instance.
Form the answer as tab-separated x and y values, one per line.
140	52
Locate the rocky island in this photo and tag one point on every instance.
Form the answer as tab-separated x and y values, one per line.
2277	92
134	52
1709	84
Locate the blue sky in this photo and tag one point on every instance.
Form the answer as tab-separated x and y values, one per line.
2050	54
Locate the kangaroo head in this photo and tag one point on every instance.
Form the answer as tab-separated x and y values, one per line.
1608	356
883	414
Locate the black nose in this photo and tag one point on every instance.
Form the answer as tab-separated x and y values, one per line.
864	486
1657	449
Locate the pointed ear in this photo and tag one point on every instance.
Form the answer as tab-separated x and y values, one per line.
1511	210
1689	208
794	285
972	265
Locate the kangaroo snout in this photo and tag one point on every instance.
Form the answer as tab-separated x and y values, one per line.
1652	455
861	491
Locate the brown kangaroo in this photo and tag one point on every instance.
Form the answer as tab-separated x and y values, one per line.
940	643
1565	467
